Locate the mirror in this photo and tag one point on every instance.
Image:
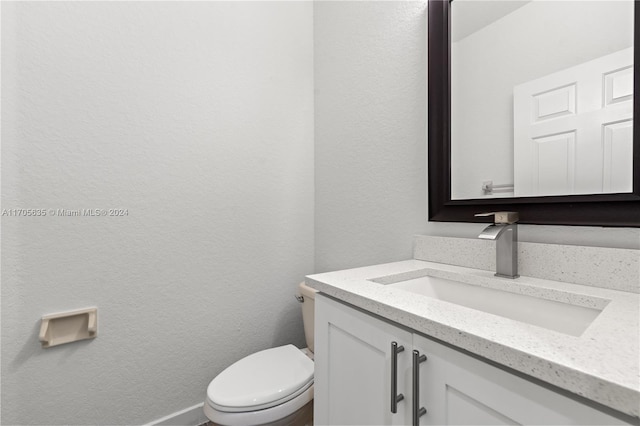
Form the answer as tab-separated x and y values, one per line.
531	109
546	110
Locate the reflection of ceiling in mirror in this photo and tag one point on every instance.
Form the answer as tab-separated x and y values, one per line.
478	14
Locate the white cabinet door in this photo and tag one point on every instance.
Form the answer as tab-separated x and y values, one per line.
353	367
457	389
573	129
353	380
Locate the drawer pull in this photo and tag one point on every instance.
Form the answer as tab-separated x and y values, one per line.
395	398
417	410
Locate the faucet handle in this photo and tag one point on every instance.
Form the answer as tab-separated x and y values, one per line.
501	217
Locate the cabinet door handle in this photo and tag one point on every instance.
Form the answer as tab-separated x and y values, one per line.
395	398
417	410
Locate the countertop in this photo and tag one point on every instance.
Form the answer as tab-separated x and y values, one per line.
603	364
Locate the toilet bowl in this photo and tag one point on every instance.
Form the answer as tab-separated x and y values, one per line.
270	387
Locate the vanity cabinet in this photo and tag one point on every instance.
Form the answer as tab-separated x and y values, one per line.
354	381
352	372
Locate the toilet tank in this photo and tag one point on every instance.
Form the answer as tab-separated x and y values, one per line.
308	311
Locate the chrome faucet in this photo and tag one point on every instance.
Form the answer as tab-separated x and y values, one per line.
504	231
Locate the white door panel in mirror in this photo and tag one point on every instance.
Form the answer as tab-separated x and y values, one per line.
572	125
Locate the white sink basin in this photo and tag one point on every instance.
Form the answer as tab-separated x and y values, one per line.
558	316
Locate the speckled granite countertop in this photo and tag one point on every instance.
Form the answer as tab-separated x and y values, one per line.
602	364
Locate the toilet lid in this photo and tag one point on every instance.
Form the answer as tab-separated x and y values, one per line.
262	379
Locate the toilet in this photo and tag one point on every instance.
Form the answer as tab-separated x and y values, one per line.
270	387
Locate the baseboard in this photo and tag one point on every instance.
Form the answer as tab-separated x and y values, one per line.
192	416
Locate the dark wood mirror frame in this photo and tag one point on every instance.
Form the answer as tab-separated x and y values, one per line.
595	210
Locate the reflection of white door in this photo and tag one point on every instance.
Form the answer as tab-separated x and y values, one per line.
573	129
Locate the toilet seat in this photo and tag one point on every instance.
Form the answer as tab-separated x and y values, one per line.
260	417
260	388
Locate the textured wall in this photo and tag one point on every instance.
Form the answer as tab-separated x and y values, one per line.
198	118
370	114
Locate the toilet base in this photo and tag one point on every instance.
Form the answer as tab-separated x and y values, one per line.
302	417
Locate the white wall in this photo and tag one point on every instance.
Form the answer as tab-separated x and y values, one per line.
543	37
198	118
370	112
